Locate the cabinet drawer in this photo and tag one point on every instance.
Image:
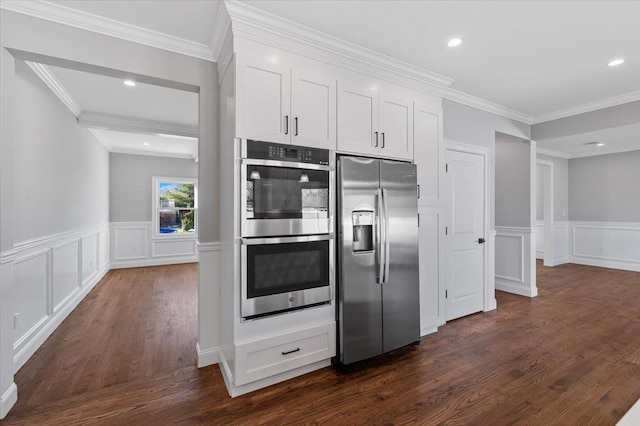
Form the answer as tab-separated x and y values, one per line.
267	357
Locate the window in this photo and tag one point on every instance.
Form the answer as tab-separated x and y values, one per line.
175	203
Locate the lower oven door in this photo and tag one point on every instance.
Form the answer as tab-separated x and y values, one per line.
281	274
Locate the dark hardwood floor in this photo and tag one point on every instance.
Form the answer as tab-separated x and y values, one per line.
126	356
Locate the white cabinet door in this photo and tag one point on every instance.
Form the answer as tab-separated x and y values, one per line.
428	153
313	108
263	100
357	117
396	123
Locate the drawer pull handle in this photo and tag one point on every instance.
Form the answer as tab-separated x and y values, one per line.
290	352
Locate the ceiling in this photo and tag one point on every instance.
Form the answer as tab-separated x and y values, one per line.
615	139
540	58
536	57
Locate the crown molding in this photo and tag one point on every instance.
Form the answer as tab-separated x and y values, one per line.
258	25
136	125
603	152
488	106
43	72
152	153
589	107
598	153
102	138
110	27
221	26
552	153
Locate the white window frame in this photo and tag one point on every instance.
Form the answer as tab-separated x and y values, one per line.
156	206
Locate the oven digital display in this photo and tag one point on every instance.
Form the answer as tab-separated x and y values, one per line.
290	153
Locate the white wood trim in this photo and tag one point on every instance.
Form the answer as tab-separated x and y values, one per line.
488	106
158	261
109	27
209	356
221	28
603	151
548	223
632	417
138	125
504	234
53	239
552	153
588	107
9	398
155	182
208	246
42	71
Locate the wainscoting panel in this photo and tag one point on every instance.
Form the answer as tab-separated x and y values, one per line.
65	272
89	247
47	275
31	295
431	268
514	263
540	240
560	243
173	247
606	244
134	245
130	240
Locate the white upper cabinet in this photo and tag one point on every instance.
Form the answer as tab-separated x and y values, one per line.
313	108
357	117
428	150
278	102
375	119
263	91
396	123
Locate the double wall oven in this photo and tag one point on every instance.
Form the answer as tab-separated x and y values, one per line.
287	250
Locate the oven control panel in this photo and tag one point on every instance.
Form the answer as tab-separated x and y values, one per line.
279	152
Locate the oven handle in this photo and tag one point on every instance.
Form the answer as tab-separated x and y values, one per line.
282	240
291	165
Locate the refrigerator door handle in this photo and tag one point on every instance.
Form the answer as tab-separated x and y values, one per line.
380	256
387	248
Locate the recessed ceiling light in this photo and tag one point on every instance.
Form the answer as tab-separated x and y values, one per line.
146	144
616	62
454	42
600	144
129	83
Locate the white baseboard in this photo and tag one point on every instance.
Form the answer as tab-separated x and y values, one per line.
9	398
560	260
272	380
141	263
20	358
607	263
429	325
207	357
511	287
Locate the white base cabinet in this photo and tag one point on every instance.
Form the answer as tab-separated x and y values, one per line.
267	357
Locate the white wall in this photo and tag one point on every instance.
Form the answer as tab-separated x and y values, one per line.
513	172
560	187
61	192
131	193
133	239
605	188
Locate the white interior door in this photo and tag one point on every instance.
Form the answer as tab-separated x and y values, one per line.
465	186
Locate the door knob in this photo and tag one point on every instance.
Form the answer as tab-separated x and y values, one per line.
480	241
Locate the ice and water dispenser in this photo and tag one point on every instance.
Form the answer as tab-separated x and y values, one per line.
362	230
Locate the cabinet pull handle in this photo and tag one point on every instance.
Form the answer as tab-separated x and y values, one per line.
375	139
290	352
296	121
382	139
286	124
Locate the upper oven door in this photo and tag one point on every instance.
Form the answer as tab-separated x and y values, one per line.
284	198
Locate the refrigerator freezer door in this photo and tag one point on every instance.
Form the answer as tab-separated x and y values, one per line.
360	295
400	292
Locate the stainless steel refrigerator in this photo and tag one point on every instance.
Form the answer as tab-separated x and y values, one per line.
378	289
